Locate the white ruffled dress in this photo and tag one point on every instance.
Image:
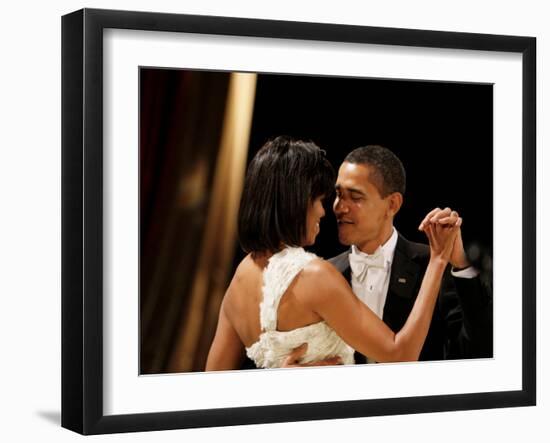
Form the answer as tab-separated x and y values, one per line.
274	346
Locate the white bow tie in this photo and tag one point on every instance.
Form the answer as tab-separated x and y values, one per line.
360	263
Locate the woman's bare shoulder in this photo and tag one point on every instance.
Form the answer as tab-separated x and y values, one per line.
248	269
246	277
321	277
319	267
321	285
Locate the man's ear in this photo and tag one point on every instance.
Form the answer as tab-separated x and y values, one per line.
395	200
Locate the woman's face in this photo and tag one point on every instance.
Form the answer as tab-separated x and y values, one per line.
314	215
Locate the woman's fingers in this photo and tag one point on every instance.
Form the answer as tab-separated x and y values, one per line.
442	236
435	215
440	214
448	219
426	219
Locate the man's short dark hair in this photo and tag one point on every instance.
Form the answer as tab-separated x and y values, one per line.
387	171
284	177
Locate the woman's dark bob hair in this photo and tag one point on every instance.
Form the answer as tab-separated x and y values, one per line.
283	179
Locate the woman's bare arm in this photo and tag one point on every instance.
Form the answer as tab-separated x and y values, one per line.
361	328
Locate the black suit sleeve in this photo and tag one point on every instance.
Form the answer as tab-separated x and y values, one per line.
466	304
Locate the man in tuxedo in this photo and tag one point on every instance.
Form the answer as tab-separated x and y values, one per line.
385	270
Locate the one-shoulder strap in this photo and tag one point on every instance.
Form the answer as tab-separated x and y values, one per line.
281	269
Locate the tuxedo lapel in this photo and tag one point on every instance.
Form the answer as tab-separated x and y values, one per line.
403	287
404	275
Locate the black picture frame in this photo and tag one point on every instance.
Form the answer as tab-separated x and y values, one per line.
82	220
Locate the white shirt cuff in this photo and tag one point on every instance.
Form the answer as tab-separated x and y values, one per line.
469	272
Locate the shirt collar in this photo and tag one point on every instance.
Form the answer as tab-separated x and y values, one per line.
387	248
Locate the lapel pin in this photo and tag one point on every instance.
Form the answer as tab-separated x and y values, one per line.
402	280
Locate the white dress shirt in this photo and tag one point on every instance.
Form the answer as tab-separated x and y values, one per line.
373	289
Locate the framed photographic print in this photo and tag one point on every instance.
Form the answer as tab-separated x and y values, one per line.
162	116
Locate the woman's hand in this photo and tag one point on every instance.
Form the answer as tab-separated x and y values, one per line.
445	216
442	234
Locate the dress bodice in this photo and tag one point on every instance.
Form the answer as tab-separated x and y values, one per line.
274	346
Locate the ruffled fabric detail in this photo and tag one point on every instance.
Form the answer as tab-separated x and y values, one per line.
281	270
274	346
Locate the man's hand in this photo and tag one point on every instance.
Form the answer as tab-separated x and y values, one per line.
292	361
446	216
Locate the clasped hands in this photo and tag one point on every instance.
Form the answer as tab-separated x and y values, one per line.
448	217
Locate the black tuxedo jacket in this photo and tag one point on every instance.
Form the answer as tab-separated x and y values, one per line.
461	326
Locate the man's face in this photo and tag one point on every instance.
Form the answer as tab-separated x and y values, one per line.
364	217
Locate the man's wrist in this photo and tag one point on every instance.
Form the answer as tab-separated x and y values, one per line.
461	263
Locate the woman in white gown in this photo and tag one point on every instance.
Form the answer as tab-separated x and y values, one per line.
282	296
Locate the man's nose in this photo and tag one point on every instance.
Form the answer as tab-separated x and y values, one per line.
340	206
